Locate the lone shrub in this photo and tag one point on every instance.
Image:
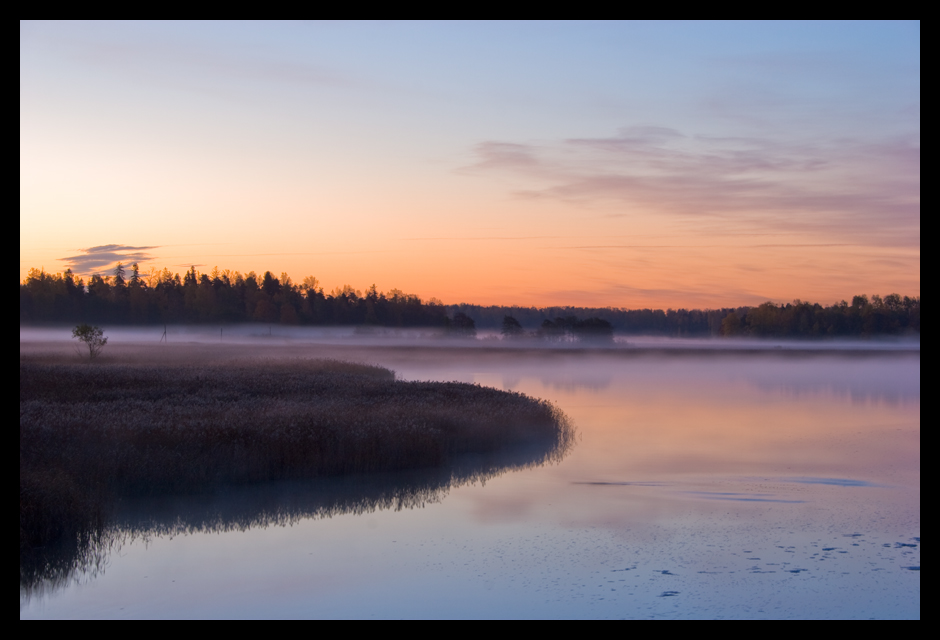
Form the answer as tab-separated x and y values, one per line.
91	336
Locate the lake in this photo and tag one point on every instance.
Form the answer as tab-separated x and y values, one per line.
706	482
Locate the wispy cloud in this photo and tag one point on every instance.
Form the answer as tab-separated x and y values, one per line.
838	189
504	155
105	257
179	60
178	57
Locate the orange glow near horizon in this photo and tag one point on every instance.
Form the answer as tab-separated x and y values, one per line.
355	155
518	272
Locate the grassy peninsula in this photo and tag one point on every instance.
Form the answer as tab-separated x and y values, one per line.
93	433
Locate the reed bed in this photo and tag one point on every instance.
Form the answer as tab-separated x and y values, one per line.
92	433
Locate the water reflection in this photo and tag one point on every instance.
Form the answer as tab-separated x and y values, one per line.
839	482
740	497
44	570
704	485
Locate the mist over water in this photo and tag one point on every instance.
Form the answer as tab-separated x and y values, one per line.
268	335
737	480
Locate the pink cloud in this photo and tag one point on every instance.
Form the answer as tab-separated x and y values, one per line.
845	190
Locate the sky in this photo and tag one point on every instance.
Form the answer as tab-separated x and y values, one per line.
622	164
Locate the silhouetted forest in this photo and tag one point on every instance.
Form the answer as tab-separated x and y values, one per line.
160	297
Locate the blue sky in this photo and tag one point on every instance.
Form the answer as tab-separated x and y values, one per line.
665	164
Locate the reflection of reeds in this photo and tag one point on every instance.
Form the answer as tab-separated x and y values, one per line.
92	433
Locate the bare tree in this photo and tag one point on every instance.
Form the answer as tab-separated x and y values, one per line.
93	337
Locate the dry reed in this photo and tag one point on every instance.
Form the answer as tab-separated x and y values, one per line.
90	434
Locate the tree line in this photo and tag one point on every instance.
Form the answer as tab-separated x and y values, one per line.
864	316
128	296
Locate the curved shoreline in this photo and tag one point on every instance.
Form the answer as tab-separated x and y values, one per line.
90	434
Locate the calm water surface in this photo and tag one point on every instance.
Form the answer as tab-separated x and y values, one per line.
703	485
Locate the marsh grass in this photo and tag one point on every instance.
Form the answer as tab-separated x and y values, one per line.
94	435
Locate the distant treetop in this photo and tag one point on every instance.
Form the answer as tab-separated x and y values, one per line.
224	296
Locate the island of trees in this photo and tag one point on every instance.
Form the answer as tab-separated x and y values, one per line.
128	296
